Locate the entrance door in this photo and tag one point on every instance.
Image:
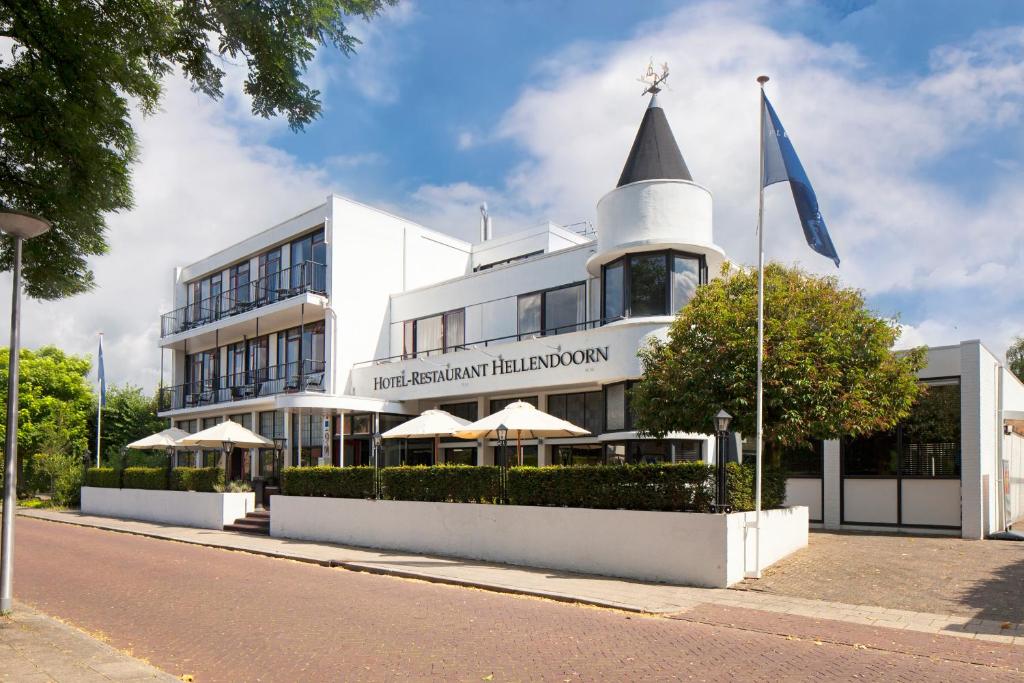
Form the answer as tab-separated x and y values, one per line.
235	469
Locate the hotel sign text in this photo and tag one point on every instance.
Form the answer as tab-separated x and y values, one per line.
499	366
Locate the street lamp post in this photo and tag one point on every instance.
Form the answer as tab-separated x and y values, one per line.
276	466
722	420
21	226
502	431
227	447
378	440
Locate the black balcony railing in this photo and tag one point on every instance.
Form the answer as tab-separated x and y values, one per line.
308	277
287	378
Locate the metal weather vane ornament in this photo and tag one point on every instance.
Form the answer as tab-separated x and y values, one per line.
652	79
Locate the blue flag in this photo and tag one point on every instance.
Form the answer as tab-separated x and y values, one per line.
781	164
102	376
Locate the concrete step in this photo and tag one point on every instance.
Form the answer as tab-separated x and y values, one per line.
256	522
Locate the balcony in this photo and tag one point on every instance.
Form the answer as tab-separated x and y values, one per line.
305	278
288	378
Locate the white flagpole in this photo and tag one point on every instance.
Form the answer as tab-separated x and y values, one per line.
760	341
99	406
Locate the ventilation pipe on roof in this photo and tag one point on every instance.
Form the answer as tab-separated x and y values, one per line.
485	223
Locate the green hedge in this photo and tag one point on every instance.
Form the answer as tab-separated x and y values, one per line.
740	485
445	483
152	478
202	479
683	486
103	477
331	482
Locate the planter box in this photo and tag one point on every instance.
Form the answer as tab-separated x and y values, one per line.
184	508
672	547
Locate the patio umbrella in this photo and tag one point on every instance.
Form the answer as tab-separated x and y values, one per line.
431	424
166	441
523	421
226	436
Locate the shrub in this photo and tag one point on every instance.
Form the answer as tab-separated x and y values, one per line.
682	486
58	474
327	481
445	483
234	486
103	477
740	487
203	479
152	478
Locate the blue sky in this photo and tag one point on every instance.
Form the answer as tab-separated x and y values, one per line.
907	115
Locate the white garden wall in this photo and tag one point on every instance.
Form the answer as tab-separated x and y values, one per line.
672	547
184	508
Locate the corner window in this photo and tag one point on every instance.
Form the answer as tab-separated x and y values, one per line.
650	283
434	335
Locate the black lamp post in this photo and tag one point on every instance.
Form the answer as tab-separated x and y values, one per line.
722	420
275	468
378	441
502	432
227	447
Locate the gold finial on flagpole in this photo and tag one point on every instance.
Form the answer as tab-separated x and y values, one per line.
762	80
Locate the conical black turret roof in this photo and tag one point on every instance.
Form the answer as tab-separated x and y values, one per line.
655	154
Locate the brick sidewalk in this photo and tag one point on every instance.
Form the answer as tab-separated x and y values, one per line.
35	648
238	616
594	590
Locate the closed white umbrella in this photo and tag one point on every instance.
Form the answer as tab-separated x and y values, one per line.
431	424
523	421
165	440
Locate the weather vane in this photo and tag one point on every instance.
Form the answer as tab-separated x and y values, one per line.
652	79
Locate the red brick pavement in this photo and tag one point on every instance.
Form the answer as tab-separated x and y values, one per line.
227	616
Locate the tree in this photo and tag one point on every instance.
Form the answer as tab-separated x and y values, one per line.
1015	357
128	416
829	370
74	71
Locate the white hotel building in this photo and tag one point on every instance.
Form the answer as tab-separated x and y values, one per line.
346	319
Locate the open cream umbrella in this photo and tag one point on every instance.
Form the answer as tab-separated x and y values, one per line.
166	441
522	421
431	424
226	436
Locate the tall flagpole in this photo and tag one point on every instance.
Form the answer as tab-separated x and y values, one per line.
99	402
760	340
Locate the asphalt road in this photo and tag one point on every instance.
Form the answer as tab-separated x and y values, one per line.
229	616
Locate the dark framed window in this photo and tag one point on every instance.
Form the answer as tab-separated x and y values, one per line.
244	419
650	283
239	284
925	445
269	282
651	451
578	454
302	251
552	311
461	455
502	403
434	334
583	409
803	461
617	414
468	410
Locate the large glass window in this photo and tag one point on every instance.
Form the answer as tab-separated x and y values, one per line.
467	410
461	455
530	315
435	334
585	409
650	283
652	451
926	444
270	275
454	330
803	461
430	335
613	291
310	248
502	403
647	284
615	407
578	454
239	294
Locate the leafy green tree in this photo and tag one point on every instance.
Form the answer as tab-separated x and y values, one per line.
128	416
74	71
828	371
54	402
1015	357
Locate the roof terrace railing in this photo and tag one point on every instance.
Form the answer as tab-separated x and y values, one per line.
287	378
484	343
307	277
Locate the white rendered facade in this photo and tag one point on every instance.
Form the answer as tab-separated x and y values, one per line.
367	317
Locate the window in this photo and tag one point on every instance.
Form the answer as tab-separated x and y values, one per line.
502	403
467	411
236	365
652	451
307	438
529	455
305	251
806	461
258	350
615	408
585	409
650	283
576	455
552	311
613	291
926	444
529	323
204	298
239	292
269	275
435	334
461	455
244	419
